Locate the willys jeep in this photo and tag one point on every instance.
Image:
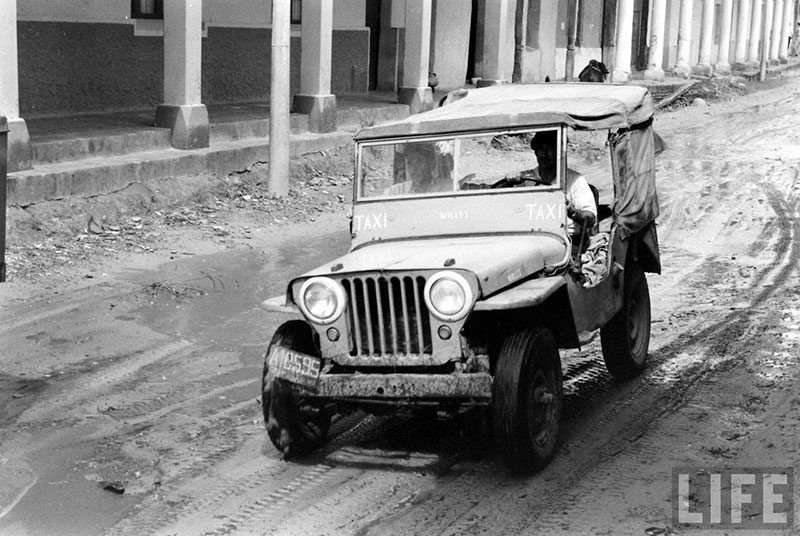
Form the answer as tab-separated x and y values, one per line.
464	276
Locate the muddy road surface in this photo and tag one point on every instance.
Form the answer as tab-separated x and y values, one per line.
129	383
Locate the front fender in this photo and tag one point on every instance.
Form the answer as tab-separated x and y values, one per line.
527	294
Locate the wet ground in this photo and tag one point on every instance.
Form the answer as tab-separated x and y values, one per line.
144	377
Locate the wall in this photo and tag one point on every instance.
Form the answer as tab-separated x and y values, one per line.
84	55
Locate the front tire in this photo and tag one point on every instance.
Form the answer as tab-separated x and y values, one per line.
296	425
527	399
626	338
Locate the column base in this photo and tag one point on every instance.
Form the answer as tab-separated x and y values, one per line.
654	74
487	82
702	69
722	68
19	145
188	123
420	99
682	70
321	111
619	75
739	66
783	60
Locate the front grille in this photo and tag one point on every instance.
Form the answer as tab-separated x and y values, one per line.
388	316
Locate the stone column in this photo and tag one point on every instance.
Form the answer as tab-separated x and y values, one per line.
682	67
655	55
703	66
723	65
742	34
414	90
19	141
495	44
786	30
775	36
754	48
182	110
315	98
622	57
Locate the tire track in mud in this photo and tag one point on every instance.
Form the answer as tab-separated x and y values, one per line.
629	419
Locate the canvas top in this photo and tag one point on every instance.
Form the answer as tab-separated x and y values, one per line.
583	106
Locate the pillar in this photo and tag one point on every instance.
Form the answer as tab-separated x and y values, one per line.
182	111
622	58
754	48
775	36
684	39
742	34
414	89
723	65
496	59
19	141
315	98
703	66
786	30
279	99
655	55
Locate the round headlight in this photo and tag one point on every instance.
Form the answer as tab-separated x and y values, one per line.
448	296
322	300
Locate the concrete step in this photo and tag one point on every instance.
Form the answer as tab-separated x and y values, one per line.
66	148
103	175
244	129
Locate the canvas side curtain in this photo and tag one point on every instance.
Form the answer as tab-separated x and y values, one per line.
634	178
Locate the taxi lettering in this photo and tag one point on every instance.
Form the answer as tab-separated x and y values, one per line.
551	211
368	222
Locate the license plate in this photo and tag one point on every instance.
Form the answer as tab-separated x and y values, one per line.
295	367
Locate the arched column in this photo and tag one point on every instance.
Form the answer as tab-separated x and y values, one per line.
414	89
496	51
754	47
19	141
703	66
786	30
315	98
622	57
182	111
655	55
775	36
682	67
723	64
742	34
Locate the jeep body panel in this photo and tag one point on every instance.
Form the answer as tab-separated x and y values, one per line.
497	261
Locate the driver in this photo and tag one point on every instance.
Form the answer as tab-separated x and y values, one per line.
581	205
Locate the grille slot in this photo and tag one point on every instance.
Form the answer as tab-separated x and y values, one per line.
388	316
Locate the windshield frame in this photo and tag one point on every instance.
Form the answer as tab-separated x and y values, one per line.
456	138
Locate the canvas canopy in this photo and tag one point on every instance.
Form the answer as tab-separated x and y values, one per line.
580	106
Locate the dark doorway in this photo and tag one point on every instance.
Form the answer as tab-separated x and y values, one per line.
473	40
374	24
641	9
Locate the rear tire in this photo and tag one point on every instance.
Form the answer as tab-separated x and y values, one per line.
296	425
527	399
626	338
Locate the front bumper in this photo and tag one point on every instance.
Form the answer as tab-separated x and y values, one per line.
405	386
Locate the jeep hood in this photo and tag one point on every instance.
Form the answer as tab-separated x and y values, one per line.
496	261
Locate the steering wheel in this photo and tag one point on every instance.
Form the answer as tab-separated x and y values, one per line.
510	182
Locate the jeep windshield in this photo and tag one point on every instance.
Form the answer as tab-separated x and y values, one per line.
456	164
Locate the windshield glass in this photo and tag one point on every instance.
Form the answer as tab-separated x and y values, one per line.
460	164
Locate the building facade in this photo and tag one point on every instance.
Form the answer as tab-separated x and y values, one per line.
177	56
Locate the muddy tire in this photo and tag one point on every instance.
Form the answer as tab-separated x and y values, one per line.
527	398
296	425
626	338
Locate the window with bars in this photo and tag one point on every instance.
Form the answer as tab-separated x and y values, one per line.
147	9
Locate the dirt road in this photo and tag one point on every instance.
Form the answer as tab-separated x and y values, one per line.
129	378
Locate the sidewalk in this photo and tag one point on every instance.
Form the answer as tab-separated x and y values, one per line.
97	154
